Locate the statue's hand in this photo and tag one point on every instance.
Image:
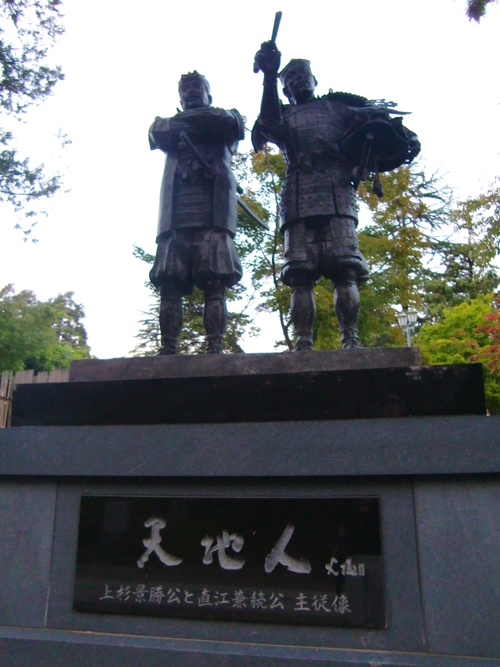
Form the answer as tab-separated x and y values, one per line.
195	116
164	126
209	118
201	112
160	125
268	58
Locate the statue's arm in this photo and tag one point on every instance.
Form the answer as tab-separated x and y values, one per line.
202	122
227	124
268	59
237	125
269	126
164	132
270	106
270	118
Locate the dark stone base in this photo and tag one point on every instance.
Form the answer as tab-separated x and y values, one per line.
52	648
257	397
437	480
441	549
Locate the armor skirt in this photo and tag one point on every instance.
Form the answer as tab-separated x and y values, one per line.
322	246
191	256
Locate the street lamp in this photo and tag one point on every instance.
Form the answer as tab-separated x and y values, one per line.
407	320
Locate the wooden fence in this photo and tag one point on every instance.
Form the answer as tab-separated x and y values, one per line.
9	380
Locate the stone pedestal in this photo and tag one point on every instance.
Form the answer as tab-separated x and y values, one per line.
437	479
241	365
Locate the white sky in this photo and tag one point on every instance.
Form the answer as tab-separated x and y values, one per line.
122	62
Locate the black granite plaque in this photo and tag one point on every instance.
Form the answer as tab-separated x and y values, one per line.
291	560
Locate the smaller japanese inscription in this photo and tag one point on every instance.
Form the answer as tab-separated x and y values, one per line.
312	561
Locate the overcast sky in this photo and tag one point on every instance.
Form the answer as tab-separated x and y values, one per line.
122	62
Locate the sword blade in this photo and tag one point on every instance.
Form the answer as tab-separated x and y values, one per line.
186	140
253	215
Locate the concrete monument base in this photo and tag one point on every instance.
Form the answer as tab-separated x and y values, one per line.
437	479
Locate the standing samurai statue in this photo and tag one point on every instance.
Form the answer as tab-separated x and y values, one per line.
329	144
197	218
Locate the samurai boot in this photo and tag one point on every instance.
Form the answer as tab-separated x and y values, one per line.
215	318
350	338
303	313
347	303
170	321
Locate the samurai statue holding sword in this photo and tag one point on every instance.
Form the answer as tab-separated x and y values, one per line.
329	144
197	217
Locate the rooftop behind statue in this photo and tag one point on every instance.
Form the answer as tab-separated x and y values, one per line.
330	144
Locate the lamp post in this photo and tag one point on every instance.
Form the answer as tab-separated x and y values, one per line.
407	320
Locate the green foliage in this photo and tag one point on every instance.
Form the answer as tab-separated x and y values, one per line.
466	267
399	242
262	174
454	340
404	231
377	319
42	335
423	252
326	334
28	29
461	337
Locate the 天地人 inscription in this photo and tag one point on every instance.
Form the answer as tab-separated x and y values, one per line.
290	560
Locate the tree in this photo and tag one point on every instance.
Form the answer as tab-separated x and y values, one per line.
29	28
404	233
490	327
262	174
466	267
42	335
462	337
454	339
476	9
399	243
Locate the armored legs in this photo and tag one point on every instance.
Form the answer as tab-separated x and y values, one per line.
346	302
303	311
170	319
214	318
